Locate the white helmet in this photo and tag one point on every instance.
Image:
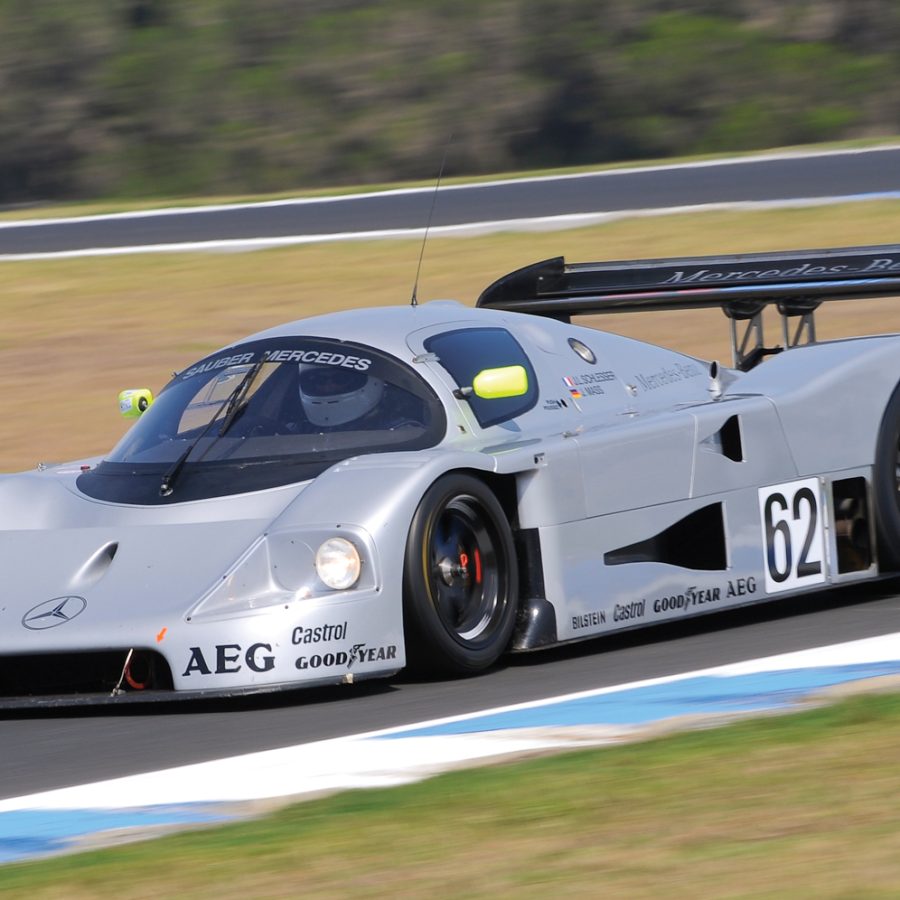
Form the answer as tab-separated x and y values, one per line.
332	395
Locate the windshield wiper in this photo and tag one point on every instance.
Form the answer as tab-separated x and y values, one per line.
233	404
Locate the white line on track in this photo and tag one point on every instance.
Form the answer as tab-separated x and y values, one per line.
471	229
499	182
358	761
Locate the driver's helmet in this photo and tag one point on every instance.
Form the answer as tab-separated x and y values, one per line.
334	396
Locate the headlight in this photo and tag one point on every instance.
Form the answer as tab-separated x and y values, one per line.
282	569
338	563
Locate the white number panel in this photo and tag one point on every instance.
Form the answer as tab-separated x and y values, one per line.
793	529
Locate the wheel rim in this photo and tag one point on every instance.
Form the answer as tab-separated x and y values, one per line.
463	564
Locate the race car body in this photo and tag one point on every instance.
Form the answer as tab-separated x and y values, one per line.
345	495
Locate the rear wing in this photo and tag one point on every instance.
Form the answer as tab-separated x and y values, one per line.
741	285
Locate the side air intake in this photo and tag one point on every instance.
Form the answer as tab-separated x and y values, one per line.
727	440
695	542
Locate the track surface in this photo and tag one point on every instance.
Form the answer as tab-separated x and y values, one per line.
43	750
774	178
47	750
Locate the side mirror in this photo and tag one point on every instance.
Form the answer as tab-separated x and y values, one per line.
496	384
134	402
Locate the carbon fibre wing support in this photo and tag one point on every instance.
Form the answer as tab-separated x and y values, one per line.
741	285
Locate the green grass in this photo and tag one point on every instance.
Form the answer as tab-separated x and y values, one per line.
803	805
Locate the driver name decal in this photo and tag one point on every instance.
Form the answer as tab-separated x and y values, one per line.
590	383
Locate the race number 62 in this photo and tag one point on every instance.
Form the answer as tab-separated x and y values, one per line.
793	527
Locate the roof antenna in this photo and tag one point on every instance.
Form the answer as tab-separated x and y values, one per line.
414	300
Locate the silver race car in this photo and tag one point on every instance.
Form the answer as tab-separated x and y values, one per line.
343	496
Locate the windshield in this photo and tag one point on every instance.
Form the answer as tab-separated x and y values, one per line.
310	402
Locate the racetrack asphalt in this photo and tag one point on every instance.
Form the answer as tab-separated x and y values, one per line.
764	178
41	750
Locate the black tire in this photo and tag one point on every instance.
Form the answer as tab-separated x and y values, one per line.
886	486
460	579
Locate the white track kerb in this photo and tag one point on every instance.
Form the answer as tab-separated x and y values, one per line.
62	820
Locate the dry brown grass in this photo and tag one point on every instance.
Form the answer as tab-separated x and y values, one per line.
75	332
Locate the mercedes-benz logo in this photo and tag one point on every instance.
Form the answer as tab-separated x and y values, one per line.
53	612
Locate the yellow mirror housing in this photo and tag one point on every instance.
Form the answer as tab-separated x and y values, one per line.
134	402
495	384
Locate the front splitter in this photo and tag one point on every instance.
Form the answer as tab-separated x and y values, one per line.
133	698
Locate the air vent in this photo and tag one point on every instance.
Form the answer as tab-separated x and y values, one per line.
732	445
695	542
68	674
727	440
852	524
95	568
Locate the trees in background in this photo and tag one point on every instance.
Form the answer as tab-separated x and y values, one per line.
162	97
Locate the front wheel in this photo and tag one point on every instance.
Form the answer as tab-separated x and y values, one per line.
460	584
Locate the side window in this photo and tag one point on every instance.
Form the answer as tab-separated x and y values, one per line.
466	352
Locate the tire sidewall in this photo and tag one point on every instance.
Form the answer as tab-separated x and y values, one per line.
429	644
887	501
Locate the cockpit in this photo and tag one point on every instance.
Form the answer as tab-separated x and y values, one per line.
267	413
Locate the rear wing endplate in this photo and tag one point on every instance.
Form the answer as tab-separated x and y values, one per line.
741	285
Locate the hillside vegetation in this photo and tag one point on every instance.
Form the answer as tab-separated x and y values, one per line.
133	98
